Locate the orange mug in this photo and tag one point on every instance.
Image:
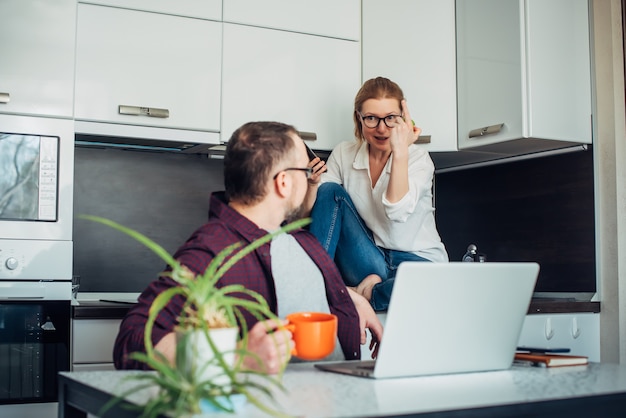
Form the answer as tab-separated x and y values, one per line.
314	334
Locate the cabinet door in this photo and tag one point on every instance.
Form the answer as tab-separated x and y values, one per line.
524	64
304	80
155	64
93	340
579	332
489	69
37	40
339	19
415	47
200	9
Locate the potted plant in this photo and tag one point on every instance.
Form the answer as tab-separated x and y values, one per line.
211	337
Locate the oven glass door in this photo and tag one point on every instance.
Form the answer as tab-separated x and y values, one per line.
34	347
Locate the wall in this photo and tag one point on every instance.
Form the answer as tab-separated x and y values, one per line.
162	195
539	209
610	169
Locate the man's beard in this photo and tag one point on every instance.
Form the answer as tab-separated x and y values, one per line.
294	214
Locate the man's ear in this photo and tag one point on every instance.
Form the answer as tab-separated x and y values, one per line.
283	184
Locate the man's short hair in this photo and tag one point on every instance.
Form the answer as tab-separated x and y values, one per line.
252	153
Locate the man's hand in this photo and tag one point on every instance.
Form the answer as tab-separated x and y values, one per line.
367	320
271	345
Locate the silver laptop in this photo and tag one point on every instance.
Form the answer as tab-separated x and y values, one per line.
450	318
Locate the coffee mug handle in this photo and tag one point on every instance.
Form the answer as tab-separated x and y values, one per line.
292	328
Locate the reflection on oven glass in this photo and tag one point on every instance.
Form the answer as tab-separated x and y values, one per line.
19	176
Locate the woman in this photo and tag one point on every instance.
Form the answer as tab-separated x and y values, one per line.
374	205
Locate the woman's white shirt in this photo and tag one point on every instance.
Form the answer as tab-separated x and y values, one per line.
406	225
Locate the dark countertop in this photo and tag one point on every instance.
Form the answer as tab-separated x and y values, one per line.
102	305
543	306
99	309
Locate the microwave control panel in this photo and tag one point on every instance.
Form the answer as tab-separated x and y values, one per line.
36	260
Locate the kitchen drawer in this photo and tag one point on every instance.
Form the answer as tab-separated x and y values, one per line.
92	367
579	332
201	9
93	340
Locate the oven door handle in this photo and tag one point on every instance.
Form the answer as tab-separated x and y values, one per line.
22	291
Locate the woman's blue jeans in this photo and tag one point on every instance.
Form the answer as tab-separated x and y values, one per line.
341	231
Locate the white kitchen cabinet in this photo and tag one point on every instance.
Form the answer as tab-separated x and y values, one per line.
412	42
304	80
523	65
200	9
580	332
337	19
137	71
37	64
92	343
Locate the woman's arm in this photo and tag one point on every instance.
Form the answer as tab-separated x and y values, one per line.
402	136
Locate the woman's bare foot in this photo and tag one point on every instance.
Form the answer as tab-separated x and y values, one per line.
367	284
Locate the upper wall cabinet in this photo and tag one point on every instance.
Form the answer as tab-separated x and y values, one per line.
136	71
304	80
337	19
413	44
523	72
201	9
37	63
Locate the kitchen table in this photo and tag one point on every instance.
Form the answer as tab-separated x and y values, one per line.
594	390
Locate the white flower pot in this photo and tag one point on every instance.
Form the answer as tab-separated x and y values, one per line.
199	356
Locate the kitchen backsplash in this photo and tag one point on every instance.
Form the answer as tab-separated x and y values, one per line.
532	210
539	210
162	195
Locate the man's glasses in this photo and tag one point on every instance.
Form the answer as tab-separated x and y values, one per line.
372	121
308	171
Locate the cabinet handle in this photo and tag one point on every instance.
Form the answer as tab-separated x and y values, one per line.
308	136
5	97
422	139
487	130
153	112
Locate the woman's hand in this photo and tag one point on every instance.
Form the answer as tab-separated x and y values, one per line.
271	344
405	132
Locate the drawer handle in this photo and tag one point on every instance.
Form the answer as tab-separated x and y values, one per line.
575	328
5	97
422	139
152	112
487	130
548	330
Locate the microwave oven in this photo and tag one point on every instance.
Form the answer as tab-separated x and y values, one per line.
36	178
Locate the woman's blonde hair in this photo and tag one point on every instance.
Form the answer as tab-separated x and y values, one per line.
374	88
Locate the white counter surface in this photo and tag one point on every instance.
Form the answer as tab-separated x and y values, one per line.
314	393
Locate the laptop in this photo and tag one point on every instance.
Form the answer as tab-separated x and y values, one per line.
449	318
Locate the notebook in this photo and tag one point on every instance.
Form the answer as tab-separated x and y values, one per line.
449	318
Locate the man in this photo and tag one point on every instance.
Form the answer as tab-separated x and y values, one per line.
265	176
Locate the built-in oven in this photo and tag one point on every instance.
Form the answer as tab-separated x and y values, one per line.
35	342
36	206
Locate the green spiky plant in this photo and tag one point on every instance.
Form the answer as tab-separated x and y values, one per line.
206	307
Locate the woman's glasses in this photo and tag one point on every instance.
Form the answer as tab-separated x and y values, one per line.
372	121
